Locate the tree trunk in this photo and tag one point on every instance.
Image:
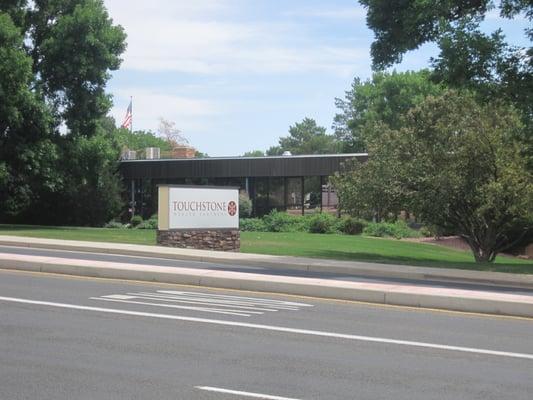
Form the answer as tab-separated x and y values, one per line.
482	254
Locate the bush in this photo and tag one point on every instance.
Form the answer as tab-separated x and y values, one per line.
252	225
245	206
136	220
114	225
351	226
398	230
426	232
322	223
282	222
148	224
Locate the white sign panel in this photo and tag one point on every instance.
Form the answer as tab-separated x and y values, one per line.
201	208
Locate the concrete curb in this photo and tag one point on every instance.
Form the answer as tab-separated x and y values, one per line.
405	295
362	269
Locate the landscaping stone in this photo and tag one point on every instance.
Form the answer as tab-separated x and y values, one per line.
214	239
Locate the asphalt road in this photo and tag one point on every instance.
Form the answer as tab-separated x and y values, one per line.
79	338
253	269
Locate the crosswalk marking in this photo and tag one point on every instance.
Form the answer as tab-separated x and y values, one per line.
205	302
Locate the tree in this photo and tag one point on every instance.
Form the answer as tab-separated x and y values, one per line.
384	99
307	137
254	153
274	151
401	26
55	62
139	140
74	45
370	190
461	171
468	57
173	135
93	181
200	154
27	152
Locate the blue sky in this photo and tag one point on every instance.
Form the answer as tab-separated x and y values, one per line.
235	74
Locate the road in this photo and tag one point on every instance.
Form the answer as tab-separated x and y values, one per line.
82	338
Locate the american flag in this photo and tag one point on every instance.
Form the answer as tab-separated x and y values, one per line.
128	118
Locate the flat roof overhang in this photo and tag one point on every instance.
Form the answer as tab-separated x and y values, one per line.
237	167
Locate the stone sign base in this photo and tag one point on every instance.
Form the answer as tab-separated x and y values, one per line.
214	239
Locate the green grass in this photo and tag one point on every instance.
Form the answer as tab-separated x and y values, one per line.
339	247
379	250
134	236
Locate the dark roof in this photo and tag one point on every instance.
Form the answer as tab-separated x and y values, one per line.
237	167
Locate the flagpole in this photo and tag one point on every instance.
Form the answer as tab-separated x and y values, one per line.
131	125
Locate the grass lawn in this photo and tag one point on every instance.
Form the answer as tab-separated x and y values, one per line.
340	247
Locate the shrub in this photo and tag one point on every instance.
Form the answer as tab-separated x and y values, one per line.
252	225
136	220
398	230
426	232
114	225
148	224
282	222
245	206
322	223
351	225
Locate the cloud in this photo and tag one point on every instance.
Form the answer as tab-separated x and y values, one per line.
208	37
149	105
351	13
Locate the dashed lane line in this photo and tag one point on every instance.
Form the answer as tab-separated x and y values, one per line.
240	393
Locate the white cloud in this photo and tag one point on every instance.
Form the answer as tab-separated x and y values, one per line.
149	105
206	37
352	13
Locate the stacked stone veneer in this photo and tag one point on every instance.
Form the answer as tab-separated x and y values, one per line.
215	239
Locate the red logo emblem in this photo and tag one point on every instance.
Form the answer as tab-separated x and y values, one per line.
232	208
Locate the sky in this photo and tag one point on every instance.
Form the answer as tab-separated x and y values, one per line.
235	74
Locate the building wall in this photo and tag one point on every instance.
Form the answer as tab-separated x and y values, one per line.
297	184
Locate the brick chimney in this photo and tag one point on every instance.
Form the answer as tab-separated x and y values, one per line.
183	152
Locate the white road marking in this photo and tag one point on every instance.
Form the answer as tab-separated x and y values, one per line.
142	295
119	297
274	328
243	394
202	309
204	302
223	296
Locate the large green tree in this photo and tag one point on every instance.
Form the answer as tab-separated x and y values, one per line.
400	26
382	99
55	60
306	137
74	46
28	153
469	57
459	171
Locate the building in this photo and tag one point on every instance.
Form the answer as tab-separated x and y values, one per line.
296	184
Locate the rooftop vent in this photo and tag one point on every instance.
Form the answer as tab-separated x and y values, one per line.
153	153
129	155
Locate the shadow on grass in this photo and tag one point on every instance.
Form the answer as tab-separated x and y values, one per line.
525	268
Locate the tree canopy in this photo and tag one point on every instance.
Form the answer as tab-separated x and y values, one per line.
55	60
462	172
405	25
254	153
384	98
306	137
469	58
